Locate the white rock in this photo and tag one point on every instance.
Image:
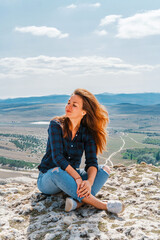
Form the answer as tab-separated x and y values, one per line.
67	220
18	219
51	236
35	220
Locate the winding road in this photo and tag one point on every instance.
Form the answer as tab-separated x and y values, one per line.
121	148
114	153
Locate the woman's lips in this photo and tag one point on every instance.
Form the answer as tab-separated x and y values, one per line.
68	111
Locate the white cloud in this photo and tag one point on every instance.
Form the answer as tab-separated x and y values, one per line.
109	19
140	25
45	65
95	5
42	31
101	32
45	75
72	6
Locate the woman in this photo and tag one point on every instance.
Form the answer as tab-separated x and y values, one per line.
81	129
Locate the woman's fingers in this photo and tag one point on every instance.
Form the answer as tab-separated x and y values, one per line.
85	194
83	191
78	186
83	188
79	182
82	184
78	189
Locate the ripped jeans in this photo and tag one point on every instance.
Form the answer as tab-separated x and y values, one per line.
56	180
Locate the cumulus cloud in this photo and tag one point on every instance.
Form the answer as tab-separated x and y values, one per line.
64	65
101	32
43	75
109	19
93	5
140	25
72	6
42	31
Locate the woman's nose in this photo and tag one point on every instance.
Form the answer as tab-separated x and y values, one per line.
69	107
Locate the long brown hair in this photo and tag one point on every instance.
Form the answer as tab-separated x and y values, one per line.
95	119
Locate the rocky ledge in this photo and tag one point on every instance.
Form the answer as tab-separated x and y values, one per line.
25	213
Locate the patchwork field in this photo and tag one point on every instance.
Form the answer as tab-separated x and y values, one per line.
24	124
27	142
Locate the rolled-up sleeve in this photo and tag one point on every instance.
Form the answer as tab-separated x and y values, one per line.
56	143
90	152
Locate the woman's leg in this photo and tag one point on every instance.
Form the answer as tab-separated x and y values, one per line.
56	180
46	185
100	179
113	206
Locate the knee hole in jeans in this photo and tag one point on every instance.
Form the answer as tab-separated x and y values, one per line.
55	169
107	169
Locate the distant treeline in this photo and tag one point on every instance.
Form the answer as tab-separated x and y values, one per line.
149	134
147	155
153	141
17	163
24	142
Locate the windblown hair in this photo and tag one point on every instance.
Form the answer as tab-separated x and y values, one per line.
95	119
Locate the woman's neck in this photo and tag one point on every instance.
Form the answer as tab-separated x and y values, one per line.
74	125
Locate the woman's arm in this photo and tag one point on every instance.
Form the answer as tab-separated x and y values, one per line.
91	166
92	171
90	152
71	171
56	143
85	188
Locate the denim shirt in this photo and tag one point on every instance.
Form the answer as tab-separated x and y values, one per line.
61	152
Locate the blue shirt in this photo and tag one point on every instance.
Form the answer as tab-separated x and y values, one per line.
61	152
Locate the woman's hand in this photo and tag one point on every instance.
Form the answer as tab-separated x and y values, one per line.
79	182
85	189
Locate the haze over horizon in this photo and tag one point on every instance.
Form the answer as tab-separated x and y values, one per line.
102	93
53	47
144	96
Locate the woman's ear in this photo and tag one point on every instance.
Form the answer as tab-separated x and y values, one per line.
84	113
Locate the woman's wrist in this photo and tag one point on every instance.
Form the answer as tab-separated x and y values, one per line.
91	181
77	178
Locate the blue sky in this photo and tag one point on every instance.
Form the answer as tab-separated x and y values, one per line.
52	47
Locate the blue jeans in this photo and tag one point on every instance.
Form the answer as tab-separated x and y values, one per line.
56	180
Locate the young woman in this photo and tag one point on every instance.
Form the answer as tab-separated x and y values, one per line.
81	129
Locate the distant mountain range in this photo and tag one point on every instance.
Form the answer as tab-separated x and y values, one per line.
104	98
45	107
128	108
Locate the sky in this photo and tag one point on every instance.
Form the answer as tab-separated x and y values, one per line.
55	46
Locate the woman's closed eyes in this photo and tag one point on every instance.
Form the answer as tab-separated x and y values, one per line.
73	104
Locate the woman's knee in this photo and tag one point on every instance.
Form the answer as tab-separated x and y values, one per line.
46	183
55	170
56	174
107	169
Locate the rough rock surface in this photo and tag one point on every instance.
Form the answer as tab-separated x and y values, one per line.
25	213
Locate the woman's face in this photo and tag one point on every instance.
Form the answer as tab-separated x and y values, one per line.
74	109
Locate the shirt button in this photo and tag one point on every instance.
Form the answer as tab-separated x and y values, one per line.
71	145
69	157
